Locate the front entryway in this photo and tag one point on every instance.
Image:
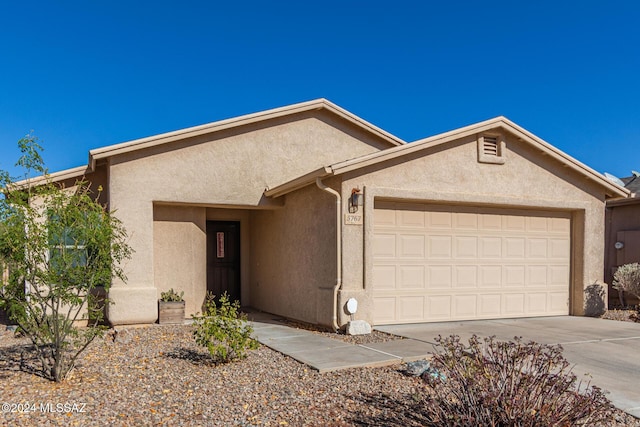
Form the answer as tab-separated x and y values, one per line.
223	258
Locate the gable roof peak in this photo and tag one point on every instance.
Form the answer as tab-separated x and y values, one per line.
315	104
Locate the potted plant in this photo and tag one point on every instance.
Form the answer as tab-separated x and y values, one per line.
171	307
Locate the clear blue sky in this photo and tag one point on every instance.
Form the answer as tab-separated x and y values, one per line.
85	74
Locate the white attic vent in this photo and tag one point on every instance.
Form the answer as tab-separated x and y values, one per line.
490	145
491	149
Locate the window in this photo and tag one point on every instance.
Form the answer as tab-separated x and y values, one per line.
65	248
491	149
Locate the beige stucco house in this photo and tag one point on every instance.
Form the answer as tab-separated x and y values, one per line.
295	210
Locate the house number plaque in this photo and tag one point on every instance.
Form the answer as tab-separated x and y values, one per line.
353	219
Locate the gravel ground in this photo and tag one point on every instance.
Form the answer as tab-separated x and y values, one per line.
156	375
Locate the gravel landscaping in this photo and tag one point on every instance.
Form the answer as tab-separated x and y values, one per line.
156	375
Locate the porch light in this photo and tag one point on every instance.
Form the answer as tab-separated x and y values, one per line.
619	245
356	200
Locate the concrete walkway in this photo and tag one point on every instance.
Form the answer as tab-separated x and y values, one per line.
327	354
607	350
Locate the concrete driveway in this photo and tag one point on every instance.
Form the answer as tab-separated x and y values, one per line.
607	350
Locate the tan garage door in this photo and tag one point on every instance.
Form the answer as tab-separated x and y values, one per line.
439	263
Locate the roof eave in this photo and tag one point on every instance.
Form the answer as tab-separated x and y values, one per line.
612	190
137	144
298	183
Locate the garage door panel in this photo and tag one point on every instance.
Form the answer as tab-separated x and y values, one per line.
384	246
439	247
537	302
435	263
466	276
411	309
538	248
465	306
411	219
439	220
412	245
513	304
490	247
559	248
558	302
439	277
558	275
465	221
411	277
439	307
385	309
514	247
514	276
559	225
489	305
490	276
466	247
537	276
384	277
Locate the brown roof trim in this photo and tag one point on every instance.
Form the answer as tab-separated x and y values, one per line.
318	104
623	202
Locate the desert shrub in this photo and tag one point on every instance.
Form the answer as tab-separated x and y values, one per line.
627	279
495	383
59	251
223	330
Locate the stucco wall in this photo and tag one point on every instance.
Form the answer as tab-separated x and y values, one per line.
451	174
293	253
231	168
623	216
179	252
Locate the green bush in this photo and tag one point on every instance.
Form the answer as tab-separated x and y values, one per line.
171	296
495	383
627	279
223	330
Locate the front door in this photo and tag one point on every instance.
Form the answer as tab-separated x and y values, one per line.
223	259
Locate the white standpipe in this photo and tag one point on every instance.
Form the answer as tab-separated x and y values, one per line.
338	284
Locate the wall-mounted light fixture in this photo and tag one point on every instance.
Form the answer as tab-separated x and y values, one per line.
356	200
619	245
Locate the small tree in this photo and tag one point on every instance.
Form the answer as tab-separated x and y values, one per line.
59	248
627	279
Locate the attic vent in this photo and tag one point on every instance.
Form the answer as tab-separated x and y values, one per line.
490	145
491	149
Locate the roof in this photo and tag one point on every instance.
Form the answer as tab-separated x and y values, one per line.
632	183
612	190
164	138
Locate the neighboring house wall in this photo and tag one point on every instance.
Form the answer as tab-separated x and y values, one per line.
622	225
230	168
451	174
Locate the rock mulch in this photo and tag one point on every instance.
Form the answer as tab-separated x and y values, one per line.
157	376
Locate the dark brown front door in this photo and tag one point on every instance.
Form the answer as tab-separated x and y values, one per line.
223	258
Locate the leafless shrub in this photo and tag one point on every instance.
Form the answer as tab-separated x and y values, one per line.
495	383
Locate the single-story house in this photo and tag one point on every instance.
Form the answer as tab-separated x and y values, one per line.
622	238
296	210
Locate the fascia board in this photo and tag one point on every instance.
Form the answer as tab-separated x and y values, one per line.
576	165
298	183
151	141
614	190
412	147
54	177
